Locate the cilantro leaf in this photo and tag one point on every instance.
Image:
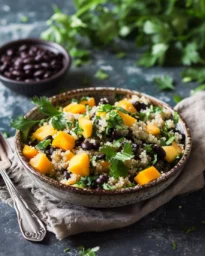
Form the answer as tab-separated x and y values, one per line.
170	140
126	154
45	106
198	89
105	108
191	229
155	159
24	18
108	151
193	74
58	122
24	125
101	75
43	144
176	117
174	246
88	252
164	83
190	54
177	98
117	168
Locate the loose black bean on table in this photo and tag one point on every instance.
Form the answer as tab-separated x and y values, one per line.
30	63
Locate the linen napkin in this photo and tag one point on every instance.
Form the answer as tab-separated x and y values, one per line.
64	219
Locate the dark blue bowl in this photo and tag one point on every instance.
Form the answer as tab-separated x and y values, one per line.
36	87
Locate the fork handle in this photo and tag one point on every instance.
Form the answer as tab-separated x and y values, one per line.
30	225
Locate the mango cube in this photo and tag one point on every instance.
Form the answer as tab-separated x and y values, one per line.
29	152
128	120
153	129
87	126
125	104
41	163
90	102
64	141
80	165
171	153
75	108
44	131
147	175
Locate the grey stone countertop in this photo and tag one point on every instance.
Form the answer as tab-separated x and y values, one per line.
153	235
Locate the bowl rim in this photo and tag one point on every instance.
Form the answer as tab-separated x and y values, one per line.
37	41
129	190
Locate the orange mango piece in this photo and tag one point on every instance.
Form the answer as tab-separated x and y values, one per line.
126	105
90	102
64	141
101	114
171	153
29	152
68	155
75	108
152	129
177	147
80	165
41	163
44	131
147	175
128	120
87	126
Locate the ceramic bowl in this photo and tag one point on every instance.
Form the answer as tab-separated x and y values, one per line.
103	198
36	87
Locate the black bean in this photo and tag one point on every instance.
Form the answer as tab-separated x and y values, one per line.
96	145
139	106
100	157
28	80
3	68
29	73
8	75
38	73
37	66
23	55
129	136
38	58
79	141
33	142
102	179
86	145
23	48
28	67
66	174
10	52
44	65
17	73
49	137
5	58
47	74
135	148
159	151
28	60
116	134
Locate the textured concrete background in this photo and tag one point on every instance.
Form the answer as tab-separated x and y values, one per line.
151	236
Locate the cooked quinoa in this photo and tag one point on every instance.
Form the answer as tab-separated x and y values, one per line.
105	145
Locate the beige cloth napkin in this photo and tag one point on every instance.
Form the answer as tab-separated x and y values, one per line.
64	219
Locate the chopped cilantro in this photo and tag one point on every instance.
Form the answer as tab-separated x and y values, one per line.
177	98
170	140
164	83
58	122
66	249
126	154
105	108
88	252
106	186
101	75
88	181
118	168
108	151
45	106
191	229
148	148
24	125
176	117
174	246
43	144
155	159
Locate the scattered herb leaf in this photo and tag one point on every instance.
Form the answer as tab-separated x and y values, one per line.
164	83
174	246
24	18
198	89
101	75
177	98
191	229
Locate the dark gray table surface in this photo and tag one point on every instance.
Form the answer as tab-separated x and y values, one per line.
152	235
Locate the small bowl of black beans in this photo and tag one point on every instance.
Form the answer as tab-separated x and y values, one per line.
32	66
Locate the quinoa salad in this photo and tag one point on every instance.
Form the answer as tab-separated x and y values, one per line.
101	144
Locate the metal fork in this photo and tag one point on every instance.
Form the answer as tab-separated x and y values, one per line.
30	225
